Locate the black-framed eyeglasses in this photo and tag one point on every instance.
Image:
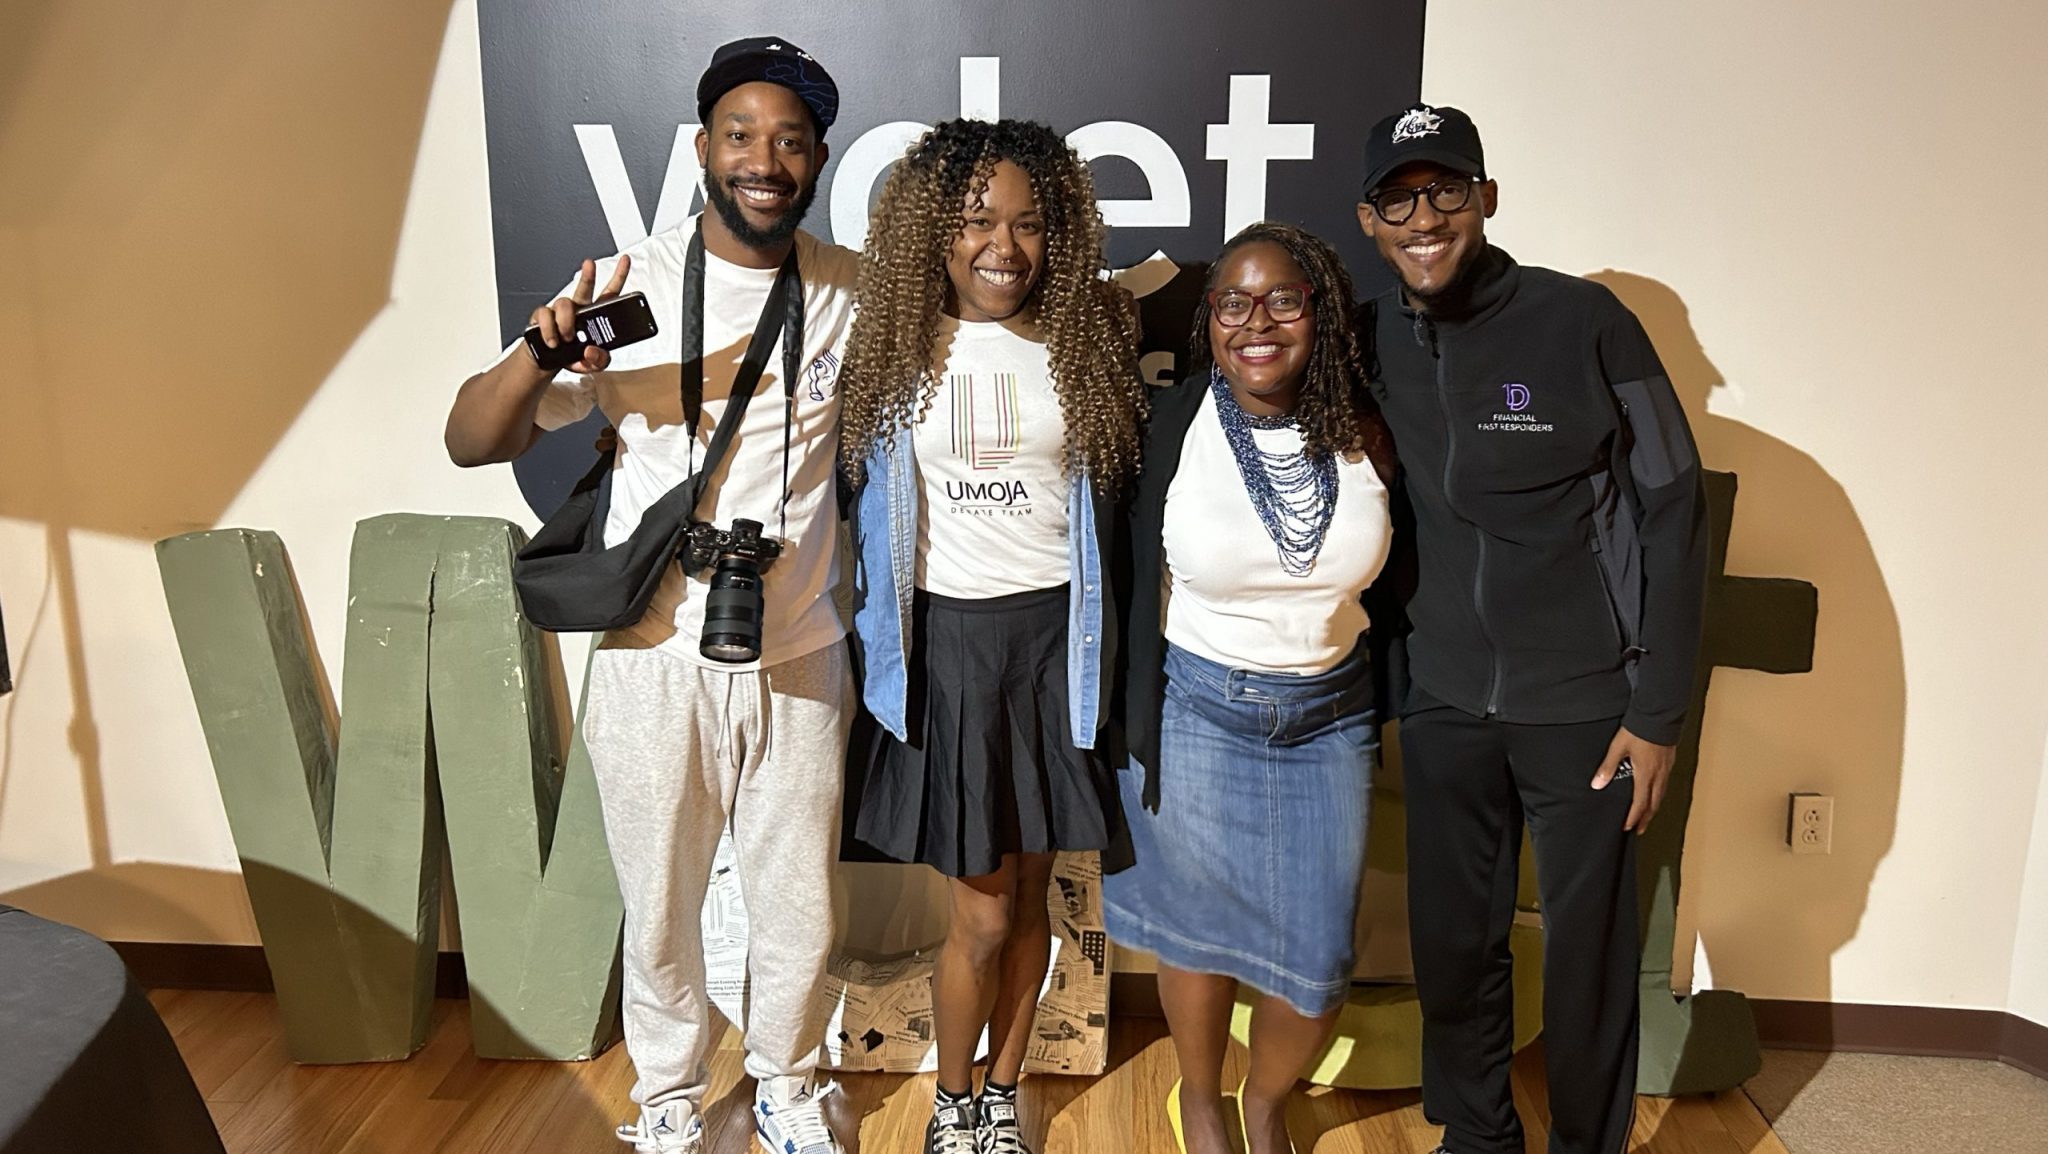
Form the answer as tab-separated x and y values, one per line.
1449	195
1233	307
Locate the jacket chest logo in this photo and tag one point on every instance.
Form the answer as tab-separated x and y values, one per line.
1514	415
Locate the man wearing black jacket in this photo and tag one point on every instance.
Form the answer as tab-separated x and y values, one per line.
1561	549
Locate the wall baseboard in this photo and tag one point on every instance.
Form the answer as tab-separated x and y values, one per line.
1926	1031
241	969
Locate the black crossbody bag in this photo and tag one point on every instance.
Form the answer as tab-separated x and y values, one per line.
568	581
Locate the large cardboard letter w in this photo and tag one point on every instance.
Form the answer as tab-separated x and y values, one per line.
448	740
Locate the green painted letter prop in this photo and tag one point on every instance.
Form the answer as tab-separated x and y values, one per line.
446	704
1707	1042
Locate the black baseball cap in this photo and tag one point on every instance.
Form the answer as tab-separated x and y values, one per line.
1443	135
777	61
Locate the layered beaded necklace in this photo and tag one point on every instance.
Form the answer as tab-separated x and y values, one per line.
1294	494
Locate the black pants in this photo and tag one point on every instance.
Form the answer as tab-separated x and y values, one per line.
1470	784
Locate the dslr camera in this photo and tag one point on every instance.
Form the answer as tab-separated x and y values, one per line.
732	607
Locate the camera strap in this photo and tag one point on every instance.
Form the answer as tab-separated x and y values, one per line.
569	579
782	315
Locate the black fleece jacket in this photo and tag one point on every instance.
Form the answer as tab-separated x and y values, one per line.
1561	530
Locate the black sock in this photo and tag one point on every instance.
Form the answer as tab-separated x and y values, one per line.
945	1097
994	1089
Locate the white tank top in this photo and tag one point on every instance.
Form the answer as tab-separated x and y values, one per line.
1228	598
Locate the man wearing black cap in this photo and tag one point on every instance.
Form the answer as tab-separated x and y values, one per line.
1561	541
684	744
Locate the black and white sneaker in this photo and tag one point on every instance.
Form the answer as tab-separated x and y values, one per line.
951	1130
997	1126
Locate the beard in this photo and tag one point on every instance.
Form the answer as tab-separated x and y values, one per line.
1449	290
726	203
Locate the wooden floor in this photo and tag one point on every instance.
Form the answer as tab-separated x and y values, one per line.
447	1099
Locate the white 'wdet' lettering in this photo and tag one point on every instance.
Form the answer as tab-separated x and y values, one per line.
1245	145
981	87
1169	206
854	182
679	185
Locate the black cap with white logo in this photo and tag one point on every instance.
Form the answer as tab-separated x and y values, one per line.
1423	132
776	61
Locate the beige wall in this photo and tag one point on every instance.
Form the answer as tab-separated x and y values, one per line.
1742	175
232	226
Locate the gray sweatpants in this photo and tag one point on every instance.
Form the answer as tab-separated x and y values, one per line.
679	750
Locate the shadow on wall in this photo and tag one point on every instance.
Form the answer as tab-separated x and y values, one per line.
206	199
1771	922
147	901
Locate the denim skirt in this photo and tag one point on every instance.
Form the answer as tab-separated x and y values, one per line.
1251	866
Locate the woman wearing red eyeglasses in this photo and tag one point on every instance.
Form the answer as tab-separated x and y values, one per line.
1258	520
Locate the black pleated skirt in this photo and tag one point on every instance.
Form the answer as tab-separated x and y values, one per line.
990	767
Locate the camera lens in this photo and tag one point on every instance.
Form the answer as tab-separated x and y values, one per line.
732	611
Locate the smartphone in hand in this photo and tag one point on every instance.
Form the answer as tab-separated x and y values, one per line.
612	324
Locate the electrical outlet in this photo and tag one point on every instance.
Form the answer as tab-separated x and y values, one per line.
1810	828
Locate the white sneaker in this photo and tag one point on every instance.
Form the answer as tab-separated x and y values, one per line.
789	1117
670	1128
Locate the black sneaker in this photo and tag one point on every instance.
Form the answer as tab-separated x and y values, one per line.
998	1129
951	1130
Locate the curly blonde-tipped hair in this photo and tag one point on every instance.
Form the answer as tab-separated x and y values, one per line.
1090	324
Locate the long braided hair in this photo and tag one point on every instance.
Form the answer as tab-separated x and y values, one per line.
1090	324
1336	412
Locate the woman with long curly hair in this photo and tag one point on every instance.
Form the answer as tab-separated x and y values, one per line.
990	407
1260	517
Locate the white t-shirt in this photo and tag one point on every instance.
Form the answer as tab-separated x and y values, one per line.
994	516
640	395
1227	597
